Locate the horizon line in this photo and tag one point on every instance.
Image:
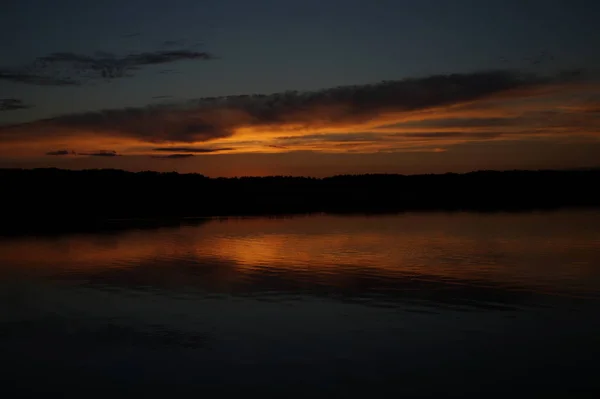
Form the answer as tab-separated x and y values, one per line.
575	169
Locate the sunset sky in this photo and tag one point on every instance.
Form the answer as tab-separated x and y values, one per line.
237	87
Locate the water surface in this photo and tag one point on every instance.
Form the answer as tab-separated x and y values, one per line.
422	304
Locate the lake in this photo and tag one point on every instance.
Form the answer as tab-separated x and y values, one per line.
417	304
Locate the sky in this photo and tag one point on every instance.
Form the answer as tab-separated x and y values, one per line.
236	87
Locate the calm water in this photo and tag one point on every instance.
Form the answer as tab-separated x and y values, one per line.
424	304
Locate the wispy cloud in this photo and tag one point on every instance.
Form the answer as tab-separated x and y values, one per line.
12	104
61	153
68	69
193	150
173	156
332	137
452	135
101	153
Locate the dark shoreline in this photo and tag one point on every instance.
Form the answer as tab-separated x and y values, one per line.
55	200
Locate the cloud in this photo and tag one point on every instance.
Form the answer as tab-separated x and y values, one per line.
12	104
358	140
453	135
173	156
333	137
101	153
402	115
210	118
191	149
454	123
164	57
68	69
61	153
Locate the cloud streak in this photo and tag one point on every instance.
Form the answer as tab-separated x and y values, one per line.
193	150
72	69
29	76
101	153
61	153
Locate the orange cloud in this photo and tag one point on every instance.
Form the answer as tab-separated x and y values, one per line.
427	114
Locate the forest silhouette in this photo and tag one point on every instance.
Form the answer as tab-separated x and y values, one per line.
52	198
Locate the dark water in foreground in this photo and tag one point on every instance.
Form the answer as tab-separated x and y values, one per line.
424	305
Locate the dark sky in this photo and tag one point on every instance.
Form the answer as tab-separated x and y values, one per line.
469	85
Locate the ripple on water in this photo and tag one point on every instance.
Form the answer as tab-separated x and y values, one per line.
432	296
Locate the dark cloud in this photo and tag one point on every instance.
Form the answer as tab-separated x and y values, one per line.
66	68
61	153
211	118
28	76
12	104
101	153
173	156
191	150
161	97
164	57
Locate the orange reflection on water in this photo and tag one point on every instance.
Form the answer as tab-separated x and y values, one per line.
558	249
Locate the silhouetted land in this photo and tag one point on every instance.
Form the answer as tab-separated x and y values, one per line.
54	198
